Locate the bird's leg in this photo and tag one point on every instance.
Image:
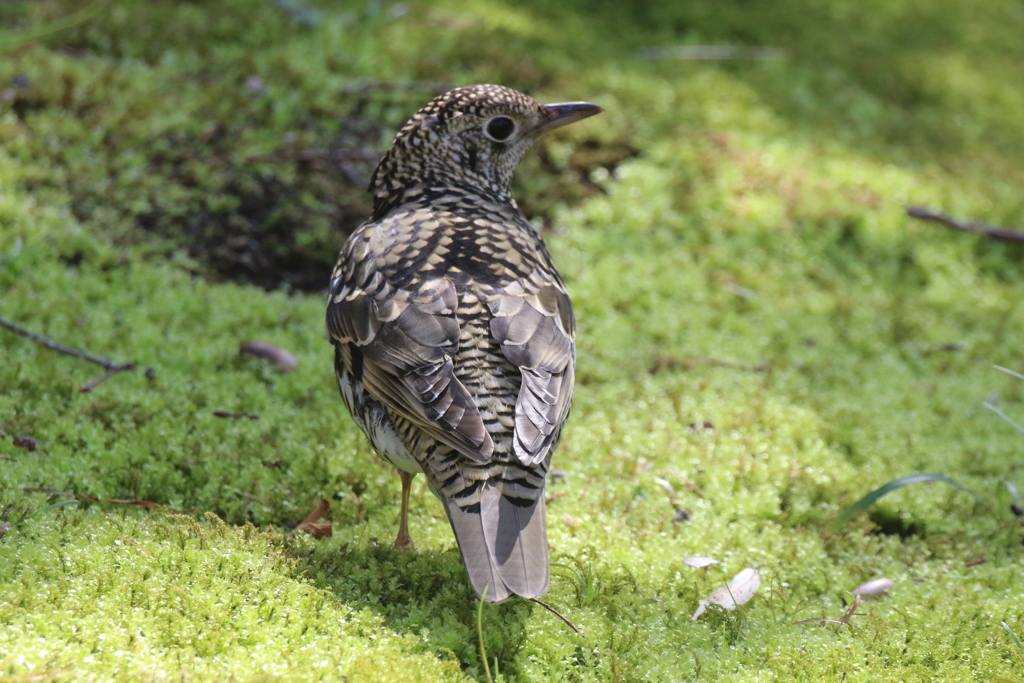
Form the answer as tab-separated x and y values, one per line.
404	540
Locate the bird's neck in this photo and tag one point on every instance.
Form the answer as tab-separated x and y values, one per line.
400	176
429	189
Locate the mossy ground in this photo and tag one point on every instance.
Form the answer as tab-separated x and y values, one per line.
764	337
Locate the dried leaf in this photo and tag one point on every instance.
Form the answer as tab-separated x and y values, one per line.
26	442
699	562
681	516
738	592
318	529
311	524
268	352
876	587
236	416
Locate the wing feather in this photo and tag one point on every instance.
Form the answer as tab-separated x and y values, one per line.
407	340
536	331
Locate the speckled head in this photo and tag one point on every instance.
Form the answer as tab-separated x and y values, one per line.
471	137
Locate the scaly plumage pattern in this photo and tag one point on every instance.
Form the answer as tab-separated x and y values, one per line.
453	332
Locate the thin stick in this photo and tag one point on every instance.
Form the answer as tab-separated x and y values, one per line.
111	367
557	614
49	343
995	232
825	620
92	384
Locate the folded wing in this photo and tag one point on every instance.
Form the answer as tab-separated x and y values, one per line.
536	330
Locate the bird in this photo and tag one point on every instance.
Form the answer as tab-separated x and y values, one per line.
453	333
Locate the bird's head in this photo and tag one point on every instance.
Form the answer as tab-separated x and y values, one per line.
471	137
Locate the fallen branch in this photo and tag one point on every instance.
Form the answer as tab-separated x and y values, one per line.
984	229
111	367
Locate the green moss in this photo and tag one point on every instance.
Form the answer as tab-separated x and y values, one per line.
130	598
764	337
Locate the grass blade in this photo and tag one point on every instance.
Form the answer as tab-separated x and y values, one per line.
1014	492
873	497
54	506
480	633
1008	371
1003	415
1013	636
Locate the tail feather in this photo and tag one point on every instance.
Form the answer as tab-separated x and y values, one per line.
504	545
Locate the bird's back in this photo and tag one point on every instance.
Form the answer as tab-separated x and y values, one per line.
454	334
487	253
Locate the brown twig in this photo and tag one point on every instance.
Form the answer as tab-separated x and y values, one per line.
131	542
92	384
111	367
984	229
49	343
82	496
556	613
842	621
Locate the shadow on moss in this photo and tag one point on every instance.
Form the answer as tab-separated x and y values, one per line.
426	593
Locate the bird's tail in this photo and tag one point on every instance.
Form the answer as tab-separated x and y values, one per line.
504	543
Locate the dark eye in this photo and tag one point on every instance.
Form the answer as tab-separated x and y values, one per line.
500	128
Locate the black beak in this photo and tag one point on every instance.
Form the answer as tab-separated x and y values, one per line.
564	113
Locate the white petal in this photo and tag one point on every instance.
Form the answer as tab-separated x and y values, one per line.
875	587
739	591
698	562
